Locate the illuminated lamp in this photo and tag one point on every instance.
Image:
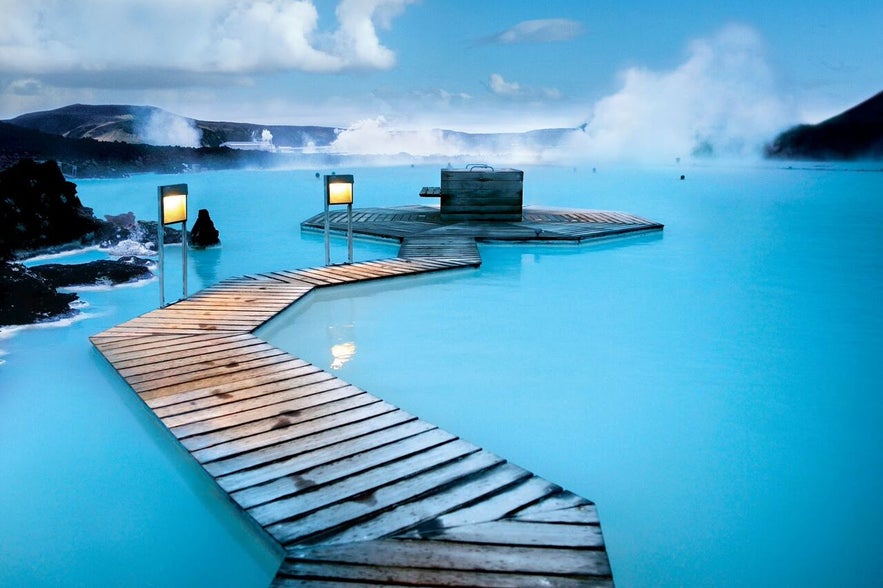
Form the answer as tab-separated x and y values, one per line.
172	209
339	190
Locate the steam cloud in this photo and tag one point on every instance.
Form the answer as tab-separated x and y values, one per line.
720	101
165	128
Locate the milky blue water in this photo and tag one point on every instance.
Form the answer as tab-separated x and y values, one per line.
714	388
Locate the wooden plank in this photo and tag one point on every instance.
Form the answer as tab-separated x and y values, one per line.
341	472
205	382
176	375
301	387
457	556
321	574
560	501
521	533
233	388
147	347
212	447
195	359
502	505
296	463
283	413
372	500
261	390
583	514
319	438
442	498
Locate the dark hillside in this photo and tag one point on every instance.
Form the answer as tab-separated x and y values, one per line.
91	158
81	121
130	123
856	133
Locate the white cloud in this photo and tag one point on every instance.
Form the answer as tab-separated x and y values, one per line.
499	86
722	98
503	88
207	36
540	31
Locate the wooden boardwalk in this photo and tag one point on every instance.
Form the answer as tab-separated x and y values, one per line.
354	490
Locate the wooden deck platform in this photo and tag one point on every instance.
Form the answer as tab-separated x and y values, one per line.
355	490
424	225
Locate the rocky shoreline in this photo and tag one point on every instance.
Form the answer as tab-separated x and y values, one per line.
40	213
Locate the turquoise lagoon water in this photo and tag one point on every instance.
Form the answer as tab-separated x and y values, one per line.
715	388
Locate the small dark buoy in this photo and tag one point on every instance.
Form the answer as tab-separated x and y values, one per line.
682	176
317	174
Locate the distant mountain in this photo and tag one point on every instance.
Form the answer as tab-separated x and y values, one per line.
110	140
856	133
91	158
154	126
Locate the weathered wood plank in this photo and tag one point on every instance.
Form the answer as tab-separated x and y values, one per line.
563	500
298	462
584	514
497	507
211	447
345	466
443	497
231	389
295	380
195	359
521	533
457	556
177	376
372	501
317	439
207	380
320	574
144	349
284	413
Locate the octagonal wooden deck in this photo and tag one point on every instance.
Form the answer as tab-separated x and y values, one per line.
355	490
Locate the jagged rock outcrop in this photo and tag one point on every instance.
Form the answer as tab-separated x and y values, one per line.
26	297
39	208
204	233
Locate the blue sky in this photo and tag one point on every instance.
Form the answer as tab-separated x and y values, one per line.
466	65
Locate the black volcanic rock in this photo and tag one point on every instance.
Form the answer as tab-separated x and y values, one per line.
204	233
103	271
39	209
26	297
854	134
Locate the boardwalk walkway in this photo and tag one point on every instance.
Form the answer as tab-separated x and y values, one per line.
355	490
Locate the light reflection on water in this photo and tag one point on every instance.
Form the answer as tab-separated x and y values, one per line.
715	388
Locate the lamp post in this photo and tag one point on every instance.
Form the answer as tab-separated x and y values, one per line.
172	209
339	190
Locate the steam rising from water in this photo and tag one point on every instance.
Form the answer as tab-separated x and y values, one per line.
721	101
165	128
